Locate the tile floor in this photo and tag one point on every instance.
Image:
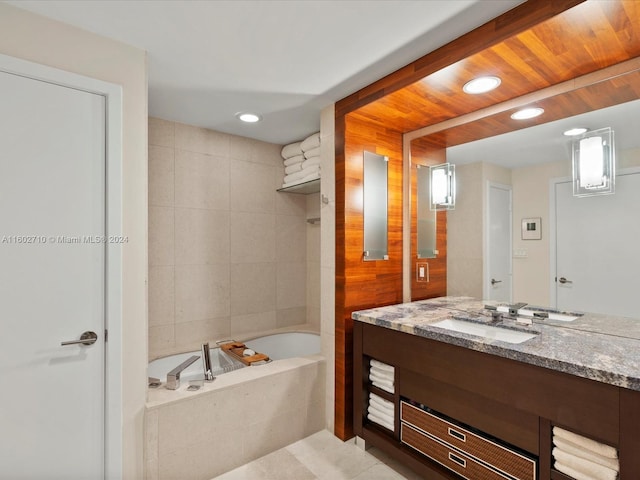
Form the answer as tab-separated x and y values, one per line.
322	456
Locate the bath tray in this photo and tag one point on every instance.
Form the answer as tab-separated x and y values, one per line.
236	350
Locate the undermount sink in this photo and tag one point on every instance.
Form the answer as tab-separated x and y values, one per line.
486	331
551	315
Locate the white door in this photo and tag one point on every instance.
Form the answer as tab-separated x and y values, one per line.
52	219
597	263
498	276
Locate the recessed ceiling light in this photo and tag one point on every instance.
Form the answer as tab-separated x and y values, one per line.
481	85
575	131
248	117
527	113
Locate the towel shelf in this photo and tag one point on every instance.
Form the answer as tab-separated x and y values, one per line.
306	188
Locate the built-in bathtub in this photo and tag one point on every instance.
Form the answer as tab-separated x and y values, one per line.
240	416
278	346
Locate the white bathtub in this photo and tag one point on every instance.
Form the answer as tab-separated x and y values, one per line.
258	409
278	347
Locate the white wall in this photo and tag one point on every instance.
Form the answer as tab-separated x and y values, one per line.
328	255
41	40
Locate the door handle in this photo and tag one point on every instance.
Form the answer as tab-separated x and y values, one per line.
564	280
494	281
87	338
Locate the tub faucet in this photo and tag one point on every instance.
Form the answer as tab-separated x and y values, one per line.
173	377
206	363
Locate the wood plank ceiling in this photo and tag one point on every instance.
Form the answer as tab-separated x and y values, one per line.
584	39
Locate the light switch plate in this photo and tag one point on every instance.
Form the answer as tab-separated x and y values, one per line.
422	272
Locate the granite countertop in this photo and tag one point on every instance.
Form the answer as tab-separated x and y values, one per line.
598	347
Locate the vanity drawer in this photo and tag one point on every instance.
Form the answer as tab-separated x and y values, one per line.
487	451
460	463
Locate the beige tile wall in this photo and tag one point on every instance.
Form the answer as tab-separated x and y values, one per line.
228	255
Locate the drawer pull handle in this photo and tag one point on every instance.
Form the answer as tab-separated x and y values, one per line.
460	436
460	461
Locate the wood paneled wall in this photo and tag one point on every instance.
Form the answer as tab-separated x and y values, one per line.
428	151
362	284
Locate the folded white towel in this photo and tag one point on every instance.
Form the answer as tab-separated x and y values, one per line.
291	150
311	142
298	181
380	378
314	152
311	162
578	451
582	465
381	403
296	167
380	421
294	160
381	414
381	365
388	409
572	473
381	373
383	386
293	176
587	443
381	382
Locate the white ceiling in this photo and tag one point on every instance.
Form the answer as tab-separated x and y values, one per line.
283	59
546	142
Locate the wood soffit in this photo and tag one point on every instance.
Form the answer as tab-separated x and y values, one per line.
587	38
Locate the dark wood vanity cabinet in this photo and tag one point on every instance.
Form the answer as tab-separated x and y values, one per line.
497	400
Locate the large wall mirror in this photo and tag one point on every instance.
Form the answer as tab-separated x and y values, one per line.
515	192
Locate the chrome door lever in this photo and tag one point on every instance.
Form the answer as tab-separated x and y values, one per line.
494	281
87	338
564	280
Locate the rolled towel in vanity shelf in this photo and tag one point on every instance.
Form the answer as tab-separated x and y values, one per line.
380	421
381	403
384	375
373	408
382	366
571	472
578	451
384	385
586	467
586	443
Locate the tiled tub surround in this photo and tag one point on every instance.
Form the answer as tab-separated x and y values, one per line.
241	416
597	347
228	255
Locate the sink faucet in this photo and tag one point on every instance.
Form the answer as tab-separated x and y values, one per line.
513	309
496	316
173	377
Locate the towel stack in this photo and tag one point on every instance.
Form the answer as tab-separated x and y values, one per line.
301	161
381	375
381	411
582	458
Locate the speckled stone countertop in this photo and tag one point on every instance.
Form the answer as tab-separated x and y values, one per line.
599	347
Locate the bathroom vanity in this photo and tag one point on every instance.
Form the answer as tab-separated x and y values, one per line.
473	406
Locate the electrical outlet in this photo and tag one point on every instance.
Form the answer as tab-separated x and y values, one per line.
422	272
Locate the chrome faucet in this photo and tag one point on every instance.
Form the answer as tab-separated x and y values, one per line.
206	363
173	377
496	316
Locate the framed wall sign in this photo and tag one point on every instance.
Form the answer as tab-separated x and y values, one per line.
531	229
